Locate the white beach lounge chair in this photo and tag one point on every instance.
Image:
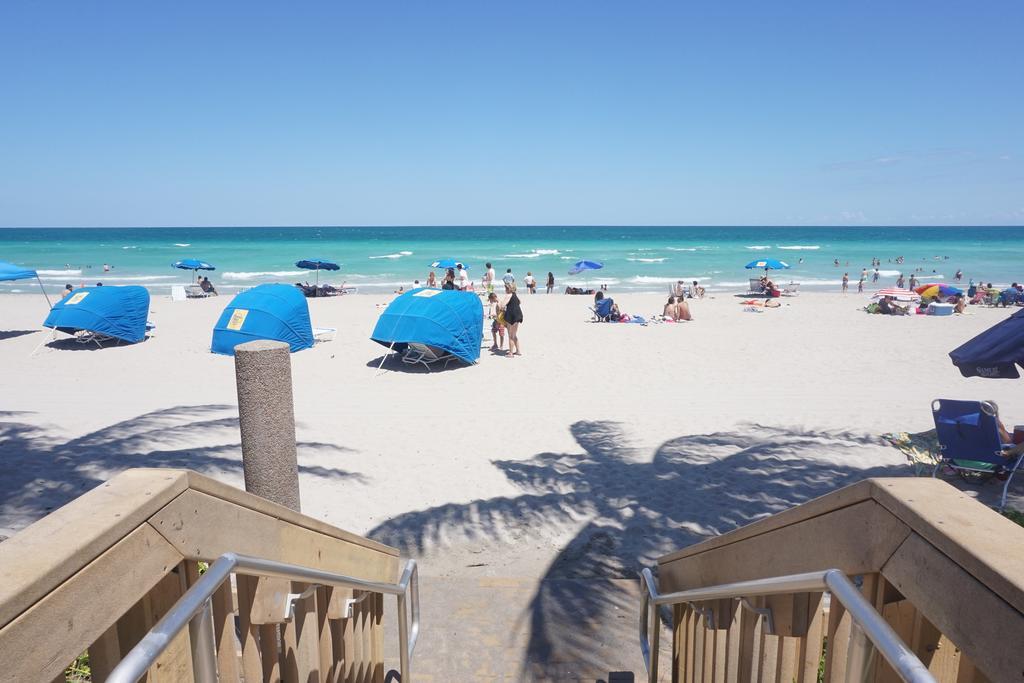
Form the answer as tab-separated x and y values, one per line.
792	289
425	355
755	286
195	292
322	334
178	293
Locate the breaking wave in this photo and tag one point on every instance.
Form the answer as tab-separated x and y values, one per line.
244	275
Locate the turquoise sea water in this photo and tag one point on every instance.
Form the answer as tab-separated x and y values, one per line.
635	258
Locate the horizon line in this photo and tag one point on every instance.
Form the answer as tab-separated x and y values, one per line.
502	225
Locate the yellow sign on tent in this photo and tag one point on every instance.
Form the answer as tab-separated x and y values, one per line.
237	319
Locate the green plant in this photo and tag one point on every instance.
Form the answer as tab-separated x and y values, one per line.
79	671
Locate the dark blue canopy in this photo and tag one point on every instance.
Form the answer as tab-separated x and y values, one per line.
996	352
119	312
9	271
446	319
192	264
273	311
317	264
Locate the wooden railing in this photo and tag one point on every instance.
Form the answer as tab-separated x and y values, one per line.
98	573
946	572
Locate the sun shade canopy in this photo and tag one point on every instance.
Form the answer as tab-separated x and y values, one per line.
446	319
118	312
273	311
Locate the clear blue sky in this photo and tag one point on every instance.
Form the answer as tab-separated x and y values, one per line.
330	113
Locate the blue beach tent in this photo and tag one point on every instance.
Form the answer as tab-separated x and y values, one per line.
273	311
118	312
9	271
445	319
994	353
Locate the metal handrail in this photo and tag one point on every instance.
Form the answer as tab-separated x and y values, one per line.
868	623
194	609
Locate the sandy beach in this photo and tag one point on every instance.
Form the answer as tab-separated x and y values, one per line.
601	448
664	433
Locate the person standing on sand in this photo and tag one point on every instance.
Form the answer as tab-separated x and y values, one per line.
463	277
551	282
508	278
494	313
530	282
513	314
846	282
489	278
860	286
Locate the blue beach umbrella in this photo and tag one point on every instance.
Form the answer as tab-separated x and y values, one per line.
317	264
767	264
9	271
583	265
994	353
192	264
448	263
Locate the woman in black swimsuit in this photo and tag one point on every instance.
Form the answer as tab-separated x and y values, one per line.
513	319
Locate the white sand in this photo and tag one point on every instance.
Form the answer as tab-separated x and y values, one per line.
617	442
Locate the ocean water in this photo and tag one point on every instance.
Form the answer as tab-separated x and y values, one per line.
634	258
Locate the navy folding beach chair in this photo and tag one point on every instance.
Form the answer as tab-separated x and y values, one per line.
970	443
602	310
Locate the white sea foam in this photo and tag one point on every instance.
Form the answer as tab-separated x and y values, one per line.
681	248
183	244
648	260
566	258
655	280
798	247
393	256
133	278
934	276
890	273
532	254
760	247
59	272
130	247
547	252
263	274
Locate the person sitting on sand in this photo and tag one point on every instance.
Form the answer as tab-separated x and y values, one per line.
431	280
606	309
696	291
960	304
670	309
888	306
207	286
67	290
683	310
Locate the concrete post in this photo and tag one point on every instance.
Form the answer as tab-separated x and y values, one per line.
266	417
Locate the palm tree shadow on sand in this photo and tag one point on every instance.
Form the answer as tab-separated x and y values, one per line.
633	509
42	470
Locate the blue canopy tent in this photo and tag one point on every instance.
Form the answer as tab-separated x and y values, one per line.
994	353
317	264
272	311
9	271
118	312
445	319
